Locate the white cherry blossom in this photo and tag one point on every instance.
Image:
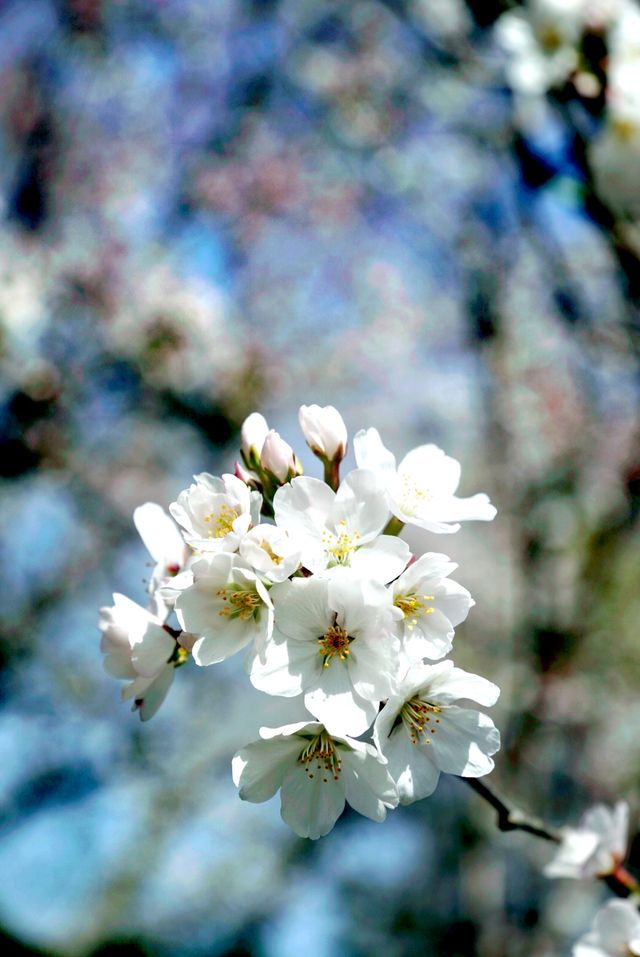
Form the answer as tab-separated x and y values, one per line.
332	641
431	605
596	847
615	932
324	431
421	731
341	528
227	606
421	490
216	512
315	772
271	552
137	646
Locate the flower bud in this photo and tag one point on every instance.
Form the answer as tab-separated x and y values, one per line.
245	475
277	457
324	431
252	435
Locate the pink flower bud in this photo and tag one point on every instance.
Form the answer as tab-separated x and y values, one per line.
277	457
252	435
324	431
246	475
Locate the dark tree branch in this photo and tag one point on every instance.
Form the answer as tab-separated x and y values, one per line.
619	881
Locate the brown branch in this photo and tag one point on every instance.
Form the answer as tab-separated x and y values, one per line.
619	881
510	818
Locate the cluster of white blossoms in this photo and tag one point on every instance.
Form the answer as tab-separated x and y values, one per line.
309	577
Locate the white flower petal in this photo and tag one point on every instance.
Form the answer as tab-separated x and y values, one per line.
382	560
361	504
311	806
463	742
259	768
336	703
371	453
412	769
369	788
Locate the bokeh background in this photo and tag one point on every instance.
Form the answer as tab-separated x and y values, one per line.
423	212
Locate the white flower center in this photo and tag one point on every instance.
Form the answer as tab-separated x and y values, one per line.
419	718
414	607
221	521
334	642
239	603
339	544
413	494
321	756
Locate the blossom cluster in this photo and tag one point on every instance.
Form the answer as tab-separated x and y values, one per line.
310	578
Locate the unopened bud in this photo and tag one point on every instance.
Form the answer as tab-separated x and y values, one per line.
277	457
252	435
324	430
247	476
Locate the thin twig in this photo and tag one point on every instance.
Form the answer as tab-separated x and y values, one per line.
619	881
513	819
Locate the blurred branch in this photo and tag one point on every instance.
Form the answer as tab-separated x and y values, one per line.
620	881
511	818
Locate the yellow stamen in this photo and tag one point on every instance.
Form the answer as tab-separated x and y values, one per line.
334	642
321	755
241	604
413	607
341	543
222	521
416	715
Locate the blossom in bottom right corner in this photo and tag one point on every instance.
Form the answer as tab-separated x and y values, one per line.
615	932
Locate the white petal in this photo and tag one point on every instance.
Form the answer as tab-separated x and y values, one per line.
383	560
259	768
151	651
410	766
148	694
303	506
433	468
446	684
371	453
311	806
335	703
302	610
369	788
361	503
431	566
159	533
463	742
280	666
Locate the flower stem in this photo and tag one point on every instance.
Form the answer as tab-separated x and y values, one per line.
620	881
510	818
393	527
332	473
